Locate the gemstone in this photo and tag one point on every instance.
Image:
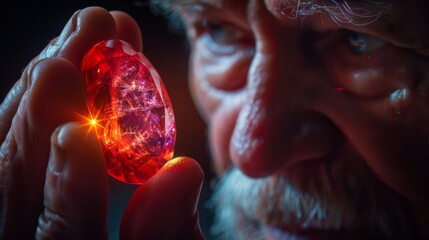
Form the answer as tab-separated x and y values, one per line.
130	109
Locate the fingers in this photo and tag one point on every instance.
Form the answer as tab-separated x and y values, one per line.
128	29
88	27
85	28
56	96
76	191
93	24
50	92
165	206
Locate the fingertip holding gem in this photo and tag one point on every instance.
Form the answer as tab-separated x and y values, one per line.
130	109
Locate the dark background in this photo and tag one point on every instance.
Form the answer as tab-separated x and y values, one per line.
27	27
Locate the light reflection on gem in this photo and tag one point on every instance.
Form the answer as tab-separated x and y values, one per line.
137	128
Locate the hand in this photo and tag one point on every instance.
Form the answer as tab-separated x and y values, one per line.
53	178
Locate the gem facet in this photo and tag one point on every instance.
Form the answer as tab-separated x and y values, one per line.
130	109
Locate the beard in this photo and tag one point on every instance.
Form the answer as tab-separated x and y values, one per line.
335	201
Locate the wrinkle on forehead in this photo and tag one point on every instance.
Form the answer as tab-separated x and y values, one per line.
359	13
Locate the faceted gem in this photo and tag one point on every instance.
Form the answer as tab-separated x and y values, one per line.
130	109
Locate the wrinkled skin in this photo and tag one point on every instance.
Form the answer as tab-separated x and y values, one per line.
53	180
296	106
297	98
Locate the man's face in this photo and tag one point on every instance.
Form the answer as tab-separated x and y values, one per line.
316	113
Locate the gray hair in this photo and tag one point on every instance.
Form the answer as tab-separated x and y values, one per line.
359	13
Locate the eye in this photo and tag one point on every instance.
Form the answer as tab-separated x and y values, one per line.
223	33
363	65
361	43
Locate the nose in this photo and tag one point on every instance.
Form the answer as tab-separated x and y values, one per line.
280	122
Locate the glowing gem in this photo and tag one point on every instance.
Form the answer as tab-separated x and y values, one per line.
130	109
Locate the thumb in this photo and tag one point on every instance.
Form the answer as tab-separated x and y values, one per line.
165	207
76	192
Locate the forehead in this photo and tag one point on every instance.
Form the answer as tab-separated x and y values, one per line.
402	22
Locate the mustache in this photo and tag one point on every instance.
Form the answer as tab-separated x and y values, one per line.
243	205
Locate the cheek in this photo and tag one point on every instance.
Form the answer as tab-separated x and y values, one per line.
388	125
217	83
216	77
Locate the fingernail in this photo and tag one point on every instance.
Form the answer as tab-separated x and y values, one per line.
56	159
70	27
191	201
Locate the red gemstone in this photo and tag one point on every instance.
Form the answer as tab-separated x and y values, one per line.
131	110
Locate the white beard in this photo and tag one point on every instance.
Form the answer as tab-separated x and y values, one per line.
243	205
